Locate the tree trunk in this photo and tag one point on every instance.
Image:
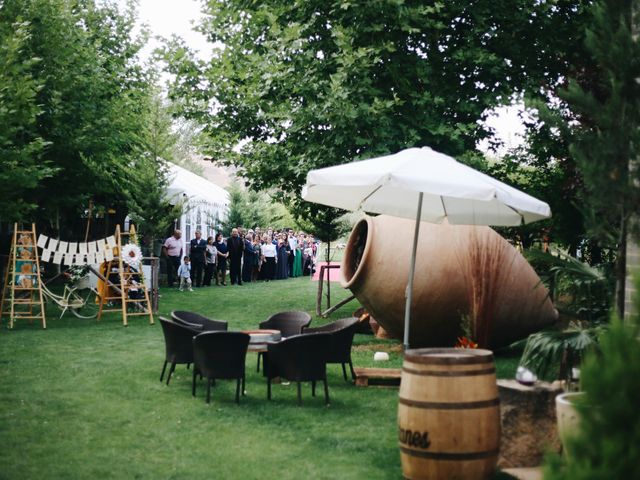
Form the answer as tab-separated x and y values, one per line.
621	266
328	259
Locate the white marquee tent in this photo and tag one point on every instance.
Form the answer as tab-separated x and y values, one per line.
205	203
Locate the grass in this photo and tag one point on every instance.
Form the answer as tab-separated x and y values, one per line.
82	400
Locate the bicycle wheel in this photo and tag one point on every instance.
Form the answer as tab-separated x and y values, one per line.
89	305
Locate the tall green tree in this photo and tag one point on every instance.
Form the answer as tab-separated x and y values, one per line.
250	209
21	148
148	178
603	127
93	101
307	84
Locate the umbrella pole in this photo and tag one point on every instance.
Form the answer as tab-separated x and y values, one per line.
412	268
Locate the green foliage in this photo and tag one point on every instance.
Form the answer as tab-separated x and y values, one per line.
21	167
147	179
308	84
580	290
596	116
251	209
83	111
607	444
556	183
547	350
325	223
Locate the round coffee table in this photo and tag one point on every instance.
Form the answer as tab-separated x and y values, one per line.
259	339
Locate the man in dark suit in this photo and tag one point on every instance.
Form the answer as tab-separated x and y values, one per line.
198	248
235	244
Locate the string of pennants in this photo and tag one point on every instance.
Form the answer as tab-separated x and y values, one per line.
76	253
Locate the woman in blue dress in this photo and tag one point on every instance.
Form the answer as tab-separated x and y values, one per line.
223	253
249	258
282	266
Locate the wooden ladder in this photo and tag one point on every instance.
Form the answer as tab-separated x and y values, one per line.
22	292
126	275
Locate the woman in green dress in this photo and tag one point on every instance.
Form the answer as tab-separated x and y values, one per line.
297	261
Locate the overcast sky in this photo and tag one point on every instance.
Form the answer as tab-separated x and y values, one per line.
168	17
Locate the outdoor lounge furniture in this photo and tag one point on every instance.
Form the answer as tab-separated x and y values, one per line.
220	355
198	322
301	358
341	338
178	341
289	323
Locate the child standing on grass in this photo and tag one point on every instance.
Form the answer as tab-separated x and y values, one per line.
184	274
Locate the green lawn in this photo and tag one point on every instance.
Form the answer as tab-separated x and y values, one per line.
82	400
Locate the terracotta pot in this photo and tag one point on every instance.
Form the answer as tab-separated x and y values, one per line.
567	416
375	267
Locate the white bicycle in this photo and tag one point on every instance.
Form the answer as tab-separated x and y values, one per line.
80	298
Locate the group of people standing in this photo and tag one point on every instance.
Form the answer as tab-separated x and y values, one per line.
248	257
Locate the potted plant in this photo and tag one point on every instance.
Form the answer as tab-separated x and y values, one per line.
562	349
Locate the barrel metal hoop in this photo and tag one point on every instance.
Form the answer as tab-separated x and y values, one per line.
448	356
450	405
449	373
450	456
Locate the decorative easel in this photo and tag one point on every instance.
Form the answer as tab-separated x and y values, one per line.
126	274
22	292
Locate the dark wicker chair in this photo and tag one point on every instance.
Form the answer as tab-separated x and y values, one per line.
198	322
301	358
220	355
178	341
341	334
289	324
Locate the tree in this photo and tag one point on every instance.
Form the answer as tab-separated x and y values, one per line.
607	441
308	84
92	98
604	127
147	184
21	168
250	209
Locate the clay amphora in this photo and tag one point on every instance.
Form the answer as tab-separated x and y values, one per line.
375	267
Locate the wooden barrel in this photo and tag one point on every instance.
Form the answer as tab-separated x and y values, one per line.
448	414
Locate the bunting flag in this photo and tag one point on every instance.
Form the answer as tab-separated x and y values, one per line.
62	247
77	253
42	241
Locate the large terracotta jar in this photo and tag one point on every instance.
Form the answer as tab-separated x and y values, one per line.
376	265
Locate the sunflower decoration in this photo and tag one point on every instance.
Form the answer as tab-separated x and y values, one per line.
132	255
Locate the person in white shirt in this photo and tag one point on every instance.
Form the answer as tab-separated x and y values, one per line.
268	252
172	250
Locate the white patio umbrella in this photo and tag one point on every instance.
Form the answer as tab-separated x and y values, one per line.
426	185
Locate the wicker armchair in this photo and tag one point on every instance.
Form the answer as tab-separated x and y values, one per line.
301	358
289	324
178	341
220	355
198	322
341	338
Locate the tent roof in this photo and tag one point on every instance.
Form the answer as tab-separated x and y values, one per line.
196	188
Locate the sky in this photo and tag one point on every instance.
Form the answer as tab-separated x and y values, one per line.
168	17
